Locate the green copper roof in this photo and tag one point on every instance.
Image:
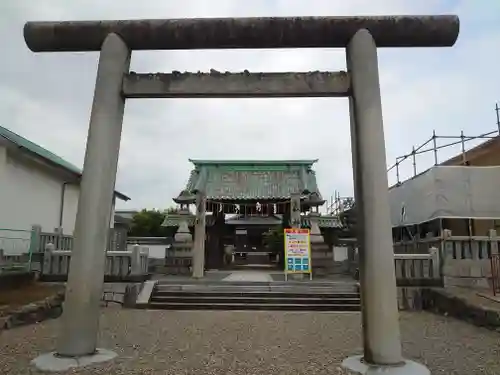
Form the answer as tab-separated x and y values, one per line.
45	154
251	179
173	220
323	222
257	163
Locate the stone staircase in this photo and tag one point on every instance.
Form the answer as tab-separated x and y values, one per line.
266	296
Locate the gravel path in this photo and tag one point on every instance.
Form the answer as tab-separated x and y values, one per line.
162	342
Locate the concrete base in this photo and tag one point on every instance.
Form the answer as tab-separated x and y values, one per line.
355	366
53	363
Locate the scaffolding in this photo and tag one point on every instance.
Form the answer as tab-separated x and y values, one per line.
339	204
453	140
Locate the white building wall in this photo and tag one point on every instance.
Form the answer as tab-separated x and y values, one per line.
3	161
71	195
30	195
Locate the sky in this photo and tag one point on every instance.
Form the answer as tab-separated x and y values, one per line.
46	97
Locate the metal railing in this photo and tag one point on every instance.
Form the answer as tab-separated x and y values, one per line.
16	249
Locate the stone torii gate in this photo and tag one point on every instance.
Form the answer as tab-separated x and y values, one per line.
115	40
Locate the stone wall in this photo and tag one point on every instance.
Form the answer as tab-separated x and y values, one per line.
52	307
468	273
472	309
467	260
446	303
411	298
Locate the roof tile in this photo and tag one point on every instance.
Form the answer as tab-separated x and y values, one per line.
253	180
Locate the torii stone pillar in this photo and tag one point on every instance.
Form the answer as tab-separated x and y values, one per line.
360	35
382	344
80	318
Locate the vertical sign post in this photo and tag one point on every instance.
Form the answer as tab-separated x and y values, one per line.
297	251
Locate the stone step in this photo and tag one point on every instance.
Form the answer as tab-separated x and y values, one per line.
290	283
254	297
250	289
288	300
246	306
254	294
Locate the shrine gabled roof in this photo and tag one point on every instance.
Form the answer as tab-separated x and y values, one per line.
239	180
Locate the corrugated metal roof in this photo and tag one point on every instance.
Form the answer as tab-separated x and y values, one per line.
252	180
45	154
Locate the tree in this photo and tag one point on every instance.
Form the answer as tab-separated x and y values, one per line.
274	239
148	223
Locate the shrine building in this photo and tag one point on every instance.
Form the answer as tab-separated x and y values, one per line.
245	201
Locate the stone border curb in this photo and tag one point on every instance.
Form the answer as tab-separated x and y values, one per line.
443	303
35	312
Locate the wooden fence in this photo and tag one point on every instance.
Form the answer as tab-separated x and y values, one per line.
120	265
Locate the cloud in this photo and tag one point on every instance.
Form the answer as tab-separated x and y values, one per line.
47	97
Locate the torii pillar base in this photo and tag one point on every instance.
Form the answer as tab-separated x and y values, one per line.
356	366
52	362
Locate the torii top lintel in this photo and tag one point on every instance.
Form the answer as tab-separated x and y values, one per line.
224	33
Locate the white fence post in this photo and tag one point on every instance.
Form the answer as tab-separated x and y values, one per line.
144	258
436	271
36	231
135	261
47	258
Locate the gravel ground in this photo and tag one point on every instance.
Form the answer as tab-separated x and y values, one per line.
163	342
